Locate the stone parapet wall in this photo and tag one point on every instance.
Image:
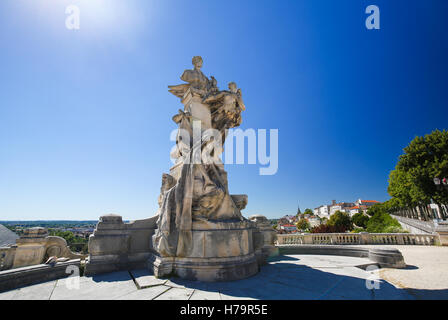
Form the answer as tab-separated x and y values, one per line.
358	238
25	276
414	225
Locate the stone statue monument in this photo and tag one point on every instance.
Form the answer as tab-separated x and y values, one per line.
201	233
198	231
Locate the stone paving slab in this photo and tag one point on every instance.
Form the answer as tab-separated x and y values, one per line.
427	268
176	294
145	279
236	294
8	295
41	291
145	294
205	295
104	287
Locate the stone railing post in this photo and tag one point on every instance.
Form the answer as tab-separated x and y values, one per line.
280	239
308	238
400	239
364	238
334	238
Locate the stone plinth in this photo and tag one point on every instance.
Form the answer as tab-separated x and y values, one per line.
30	247
222	251
116	245
269	236
199	111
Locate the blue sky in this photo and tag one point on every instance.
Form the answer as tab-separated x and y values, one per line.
85	115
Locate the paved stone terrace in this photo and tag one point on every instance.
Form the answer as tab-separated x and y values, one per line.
285	277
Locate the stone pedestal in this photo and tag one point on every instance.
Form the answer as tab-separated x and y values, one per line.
222	251
30	247
268	236
116	245
199	111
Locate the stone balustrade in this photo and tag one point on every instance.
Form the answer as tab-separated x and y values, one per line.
358	238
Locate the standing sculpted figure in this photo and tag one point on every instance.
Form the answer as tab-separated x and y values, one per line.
197	191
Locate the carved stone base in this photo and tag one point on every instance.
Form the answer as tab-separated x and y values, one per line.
221	251
205	269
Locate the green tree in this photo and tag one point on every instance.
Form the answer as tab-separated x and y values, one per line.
303	224
411	182
360	220
68	236
377	207
341	221
382	222
308	211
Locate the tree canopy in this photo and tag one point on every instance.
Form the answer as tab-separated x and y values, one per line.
308	211
303	224
360	220
341	220
411	183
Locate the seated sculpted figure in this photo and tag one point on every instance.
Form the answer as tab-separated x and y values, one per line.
226	107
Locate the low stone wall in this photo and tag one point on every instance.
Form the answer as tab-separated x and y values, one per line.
416	226
358	238
385	258
25	276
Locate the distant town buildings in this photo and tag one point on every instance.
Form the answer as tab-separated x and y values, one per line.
288	228
342	206
287	224
325	211
314	221
287	220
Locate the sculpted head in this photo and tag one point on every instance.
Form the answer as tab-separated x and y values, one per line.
232	87
197	62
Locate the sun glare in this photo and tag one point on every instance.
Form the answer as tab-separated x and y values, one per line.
97	17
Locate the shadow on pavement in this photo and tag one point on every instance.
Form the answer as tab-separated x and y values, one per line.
289	281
